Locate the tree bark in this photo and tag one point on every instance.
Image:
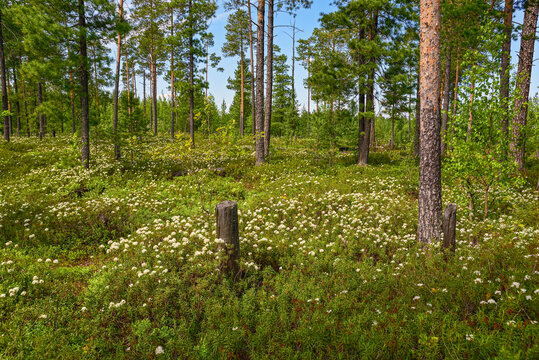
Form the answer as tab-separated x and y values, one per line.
191	85
227	230
116	86
525	63
253	102
24	102
269	80
363	134
449	227
242	90
3	80
153	67
17	103
430	187
41	116
504	71
85	122
447	95
417	120
127	81
172	105
259	143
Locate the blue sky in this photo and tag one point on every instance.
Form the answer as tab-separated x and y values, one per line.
307	20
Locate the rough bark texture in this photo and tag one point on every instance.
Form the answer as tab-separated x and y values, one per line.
447	95
525	64
269	80
417	120
85	123
4	83
191	84
172	104
430	188
17	103
504	73
449	227
259	143
116	86
226	213
253	102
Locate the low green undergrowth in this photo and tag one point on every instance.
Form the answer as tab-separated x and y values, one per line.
121	261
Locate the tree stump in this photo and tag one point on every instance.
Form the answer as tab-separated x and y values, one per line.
228	231
449	227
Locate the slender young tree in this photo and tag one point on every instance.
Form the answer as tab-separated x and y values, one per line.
525	63
504	70
117	82
430	186
85	111
4	82
259	87
446	97
269	80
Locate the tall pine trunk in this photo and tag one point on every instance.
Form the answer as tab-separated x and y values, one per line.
17	103
363	132
504	71
253	103
447	95
3	80
172	105
269	80
430	187
525	63
191	83
116	86
259	144
85	122
153	71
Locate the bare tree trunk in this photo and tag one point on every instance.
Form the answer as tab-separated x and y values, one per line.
410	107
363	125
85	123
24	102
525	63
191	85
41	116
242	91
269	80
3	80
417	120
504	71
470	115
128	91
455	93
172	92
17	103
253	102
153	67
260	85
430	187
144	94
72	94
447	95
116	86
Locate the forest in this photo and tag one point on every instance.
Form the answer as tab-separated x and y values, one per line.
368	188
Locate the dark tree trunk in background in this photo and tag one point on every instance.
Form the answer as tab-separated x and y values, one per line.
85	121
191	85
117	85
417	120
430	188
41	116
17	103
24	101
260	85
504	71
525	63
269	80
253	102
153	72
447	95
3	80
172	105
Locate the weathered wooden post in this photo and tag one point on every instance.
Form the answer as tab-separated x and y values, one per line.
449	227
228	230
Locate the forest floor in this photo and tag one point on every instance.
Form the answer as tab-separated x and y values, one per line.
121	260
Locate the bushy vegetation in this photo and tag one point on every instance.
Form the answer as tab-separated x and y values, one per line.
121	261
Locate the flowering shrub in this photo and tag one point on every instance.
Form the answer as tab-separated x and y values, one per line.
119	261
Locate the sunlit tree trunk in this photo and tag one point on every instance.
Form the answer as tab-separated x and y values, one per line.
85	122
253	102
259	144
269	80
447	95
430	188
525	63
504	71
117	85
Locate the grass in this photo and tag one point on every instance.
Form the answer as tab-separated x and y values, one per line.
120	261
